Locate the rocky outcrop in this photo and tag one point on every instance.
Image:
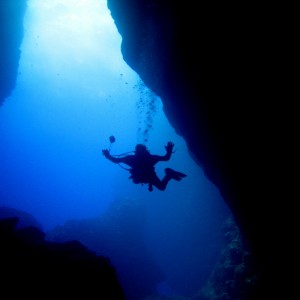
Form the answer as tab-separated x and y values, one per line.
235	275
11	35
213	66
24	219
35	268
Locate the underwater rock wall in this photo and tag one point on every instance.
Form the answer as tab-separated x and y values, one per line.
11	35
213	66
235	275
32	267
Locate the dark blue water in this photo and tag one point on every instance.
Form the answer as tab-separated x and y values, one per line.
74	91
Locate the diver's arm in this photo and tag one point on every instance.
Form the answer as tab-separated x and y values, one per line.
112	158
169	148
167	156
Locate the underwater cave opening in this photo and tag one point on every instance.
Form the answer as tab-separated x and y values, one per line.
73	92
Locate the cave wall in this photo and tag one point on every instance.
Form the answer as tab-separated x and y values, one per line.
34	268
203	62
11	35
215	67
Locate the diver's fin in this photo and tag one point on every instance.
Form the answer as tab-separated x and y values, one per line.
174	174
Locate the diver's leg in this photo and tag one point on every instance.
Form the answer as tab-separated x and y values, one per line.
170	174
161	184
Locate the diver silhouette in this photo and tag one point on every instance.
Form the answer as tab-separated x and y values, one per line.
142	166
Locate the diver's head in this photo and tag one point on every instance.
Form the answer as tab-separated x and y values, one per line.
140	149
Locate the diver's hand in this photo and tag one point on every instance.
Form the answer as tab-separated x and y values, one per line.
106	153
169	147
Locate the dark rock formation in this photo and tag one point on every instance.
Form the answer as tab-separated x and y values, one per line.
34	268
235	275
11	35
213	65
25	219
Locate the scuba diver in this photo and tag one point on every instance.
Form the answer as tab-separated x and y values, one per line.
142	166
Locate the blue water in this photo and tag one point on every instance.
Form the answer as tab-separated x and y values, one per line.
74	91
